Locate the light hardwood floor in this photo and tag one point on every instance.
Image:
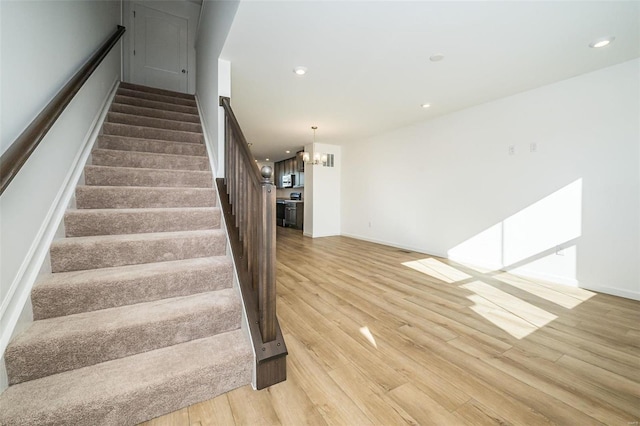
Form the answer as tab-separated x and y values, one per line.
378	335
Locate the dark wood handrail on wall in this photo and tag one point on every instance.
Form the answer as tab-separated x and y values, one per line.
18	153
249	206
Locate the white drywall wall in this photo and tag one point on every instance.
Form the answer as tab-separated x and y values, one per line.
322	193
55	39
43	44
450	187
216	18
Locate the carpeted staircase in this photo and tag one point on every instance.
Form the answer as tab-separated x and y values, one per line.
139	317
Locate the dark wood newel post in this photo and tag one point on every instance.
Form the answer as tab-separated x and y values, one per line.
267	277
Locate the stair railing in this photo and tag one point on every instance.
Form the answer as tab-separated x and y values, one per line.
248	199
19	151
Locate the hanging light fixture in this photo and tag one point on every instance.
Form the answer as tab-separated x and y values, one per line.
319	159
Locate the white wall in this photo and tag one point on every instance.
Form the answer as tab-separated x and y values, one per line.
215	21
449	187
322	193
184	9
64	33
55	39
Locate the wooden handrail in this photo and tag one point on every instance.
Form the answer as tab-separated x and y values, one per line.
248	199
18	153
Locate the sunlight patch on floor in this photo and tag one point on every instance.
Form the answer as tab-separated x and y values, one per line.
512	324
552	295
513	315
367	335
437	269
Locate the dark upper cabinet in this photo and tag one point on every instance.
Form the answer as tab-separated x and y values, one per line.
300	160
290	169
277	174
290	166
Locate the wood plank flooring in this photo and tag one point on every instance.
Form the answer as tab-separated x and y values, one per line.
378	335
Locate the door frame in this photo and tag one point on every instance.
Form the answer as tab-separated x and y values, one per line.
183	9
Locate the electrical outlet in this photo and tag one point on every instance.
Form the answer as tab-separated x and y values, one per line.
533	147
512	150
369	224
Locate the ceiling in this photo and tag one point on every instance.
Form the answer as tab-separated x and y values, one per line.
369	69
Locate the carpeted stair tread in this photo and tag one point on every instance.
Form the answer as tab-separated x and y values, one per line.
135	176
158	123
130	390
124	143
104	251
154	112
87	222
147	103
150	133
122	197
156	97
148	160
67	293
139	88
65	343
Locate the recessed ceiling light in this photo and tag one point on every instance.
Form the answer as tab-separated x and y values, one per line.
288	152
300	70
436	57
425	105
601	42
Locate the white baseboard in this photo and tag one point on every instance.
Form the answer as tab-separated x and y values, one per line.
613	291
396	245
552	278
20	289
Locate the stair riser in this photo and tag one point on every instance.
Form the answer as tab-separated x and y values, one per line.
75	256
120	176
131	390
78	223
128	100
101	197
44	357
124	287
136	87
150	133
157	98
155	113
158	123
116	158
122	143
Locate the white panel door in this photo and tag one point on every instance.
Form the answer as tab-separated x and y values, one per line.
160	49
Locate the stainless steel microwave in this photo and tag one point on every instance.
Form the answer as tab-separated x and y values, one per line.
288	181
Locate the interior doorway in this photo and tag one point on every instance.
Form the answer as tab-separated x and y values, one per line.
160	49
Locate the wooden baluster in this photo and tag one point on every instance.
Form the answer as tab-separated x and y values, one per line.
248	247
236	188
240	211
227	150
266	278
257	214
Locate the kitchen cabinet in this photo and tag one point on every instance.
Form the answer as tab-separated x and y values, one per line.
290	166
294	214
277	174
300	161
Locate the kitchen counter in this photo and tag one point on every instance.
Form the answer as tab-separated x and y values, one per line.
286	200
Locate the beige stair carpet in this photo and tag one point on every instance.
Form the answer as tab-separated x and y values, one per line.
139	317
